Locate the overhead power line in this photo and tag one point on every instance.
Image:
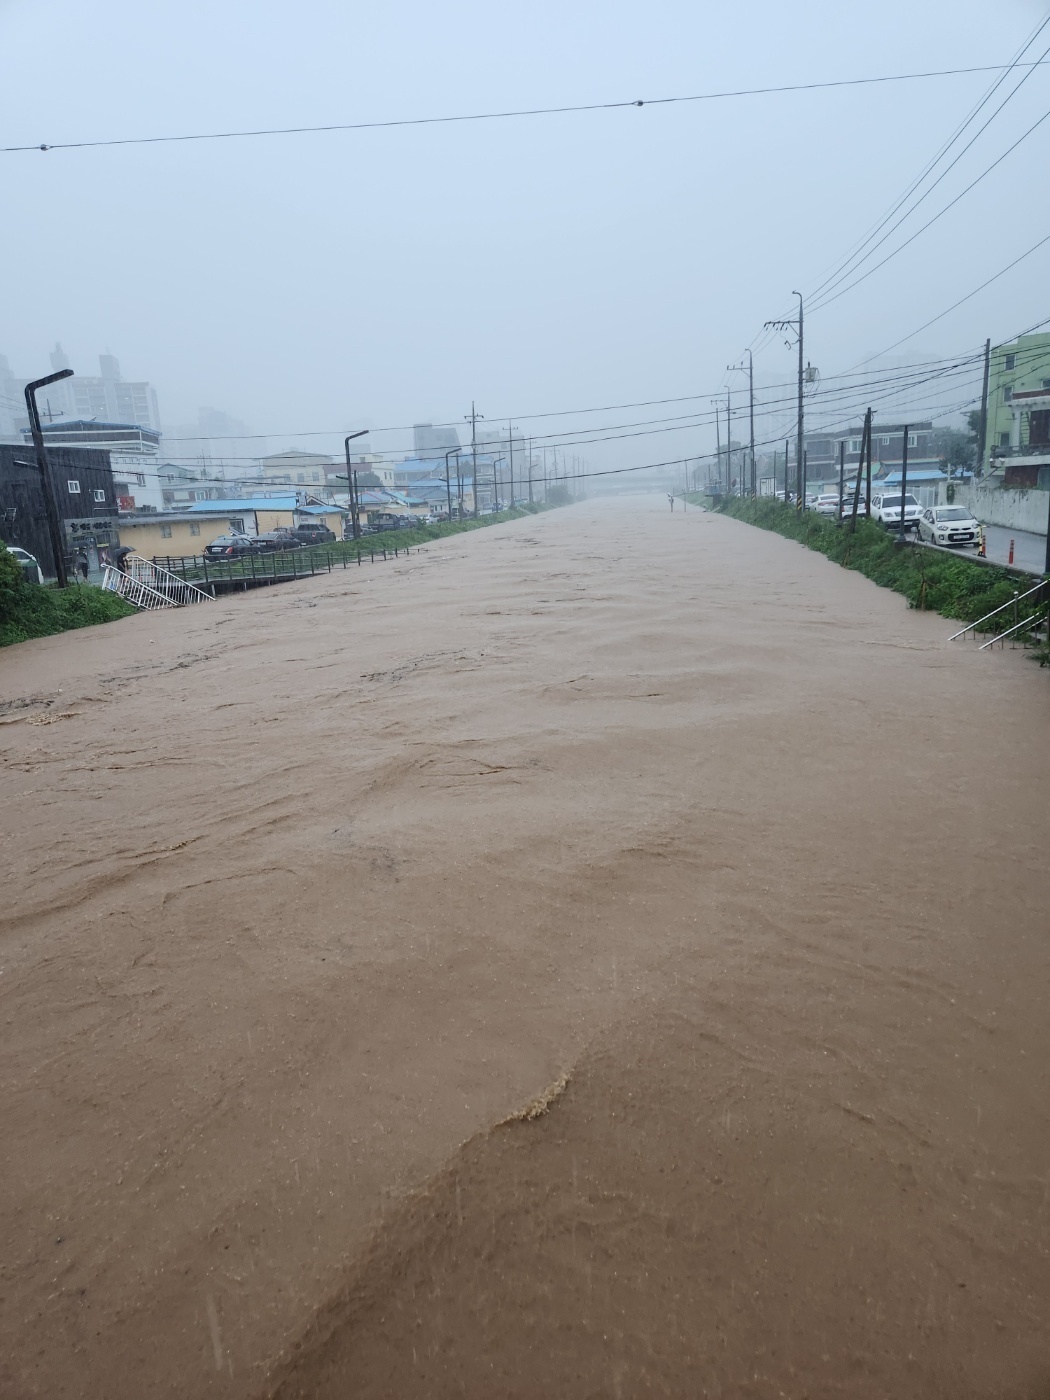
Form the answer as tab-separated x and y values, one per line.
866	248
516	112
834	296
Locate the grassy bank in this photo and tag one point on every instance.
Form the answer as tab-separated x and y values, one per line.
930	579
27	610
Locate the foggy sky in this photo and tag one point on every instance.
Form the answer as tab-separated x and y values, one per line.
533	265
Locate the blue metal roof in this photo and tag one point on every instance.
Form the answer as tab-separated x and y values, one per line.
922	474
248	503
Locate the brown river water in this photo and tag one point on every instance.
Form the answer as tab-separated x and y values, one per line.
603	955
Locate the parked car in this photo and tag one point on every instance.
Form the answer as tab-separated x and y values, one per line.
313	532
272	540
31	570
230	547
886	509
828	503
949	525
379	521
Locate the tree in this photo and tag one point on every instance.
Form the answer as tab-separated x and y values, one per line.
955	447
368	479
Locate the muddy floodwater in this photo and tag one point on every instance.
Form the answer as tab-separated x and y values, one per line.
603	955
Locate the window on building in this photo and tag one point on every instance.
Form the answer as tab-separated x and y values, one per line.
1008	393
912	439
195	529
200	495
1046	383
1010	361
301	478
854	444
100	496
73	487
1004	439
165	532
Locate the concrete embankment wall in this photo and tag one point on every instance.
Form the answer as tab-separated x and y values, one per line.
1016	510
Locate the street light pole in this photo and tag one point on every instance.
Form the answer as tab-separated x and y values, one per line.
54	528
448	484
351	485
510	435
495	483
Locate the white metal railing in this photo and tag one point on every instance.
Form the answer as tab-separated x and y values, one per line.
1017	598
148	586
164	581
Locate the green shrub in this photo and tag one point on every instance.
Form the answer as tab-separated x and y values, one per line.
27	610
930	579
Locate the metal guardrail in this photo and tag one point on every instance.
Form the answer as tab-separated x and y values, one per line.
276	566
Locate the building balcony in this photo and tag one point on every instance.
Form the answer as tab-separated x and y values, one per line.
1024	452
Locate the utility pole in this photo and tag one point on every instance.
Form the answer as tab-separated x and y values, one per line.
799	326
729	442
982	430
751	382
474	415
865	442
842	473
54	528
530	471
718	440
787	458
801	430
904	482
752	486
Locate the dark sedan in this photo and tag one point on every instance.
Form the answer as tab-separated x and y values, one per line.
230	547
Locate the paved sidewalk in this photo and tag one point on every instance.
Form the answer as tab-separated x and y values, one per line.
1029	549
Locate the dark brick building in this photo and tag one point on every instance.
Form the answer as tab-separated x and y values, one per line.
87	504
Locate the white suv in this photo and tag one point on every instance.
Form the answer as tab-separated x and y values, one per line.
886	509
31	570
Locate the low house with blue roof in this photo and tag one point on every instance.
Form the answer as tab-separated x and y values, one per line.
189	531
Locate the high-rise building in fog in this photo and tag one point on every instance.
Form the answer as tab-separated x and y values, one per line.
431	443
105	396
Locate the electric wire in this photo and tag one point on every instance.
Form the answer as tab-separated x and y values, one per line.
504	115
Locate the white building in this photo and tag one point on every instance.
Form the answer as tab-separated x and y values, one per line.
134	455
295	468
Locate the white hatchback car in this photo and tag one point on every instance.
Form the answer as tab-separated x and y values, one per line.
949	525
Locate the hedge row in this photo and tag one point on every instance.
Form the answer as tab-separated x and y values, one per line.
27	610
930	579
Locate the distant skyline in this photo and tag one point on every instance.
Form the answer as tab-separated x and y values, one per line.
380	279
